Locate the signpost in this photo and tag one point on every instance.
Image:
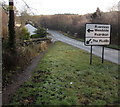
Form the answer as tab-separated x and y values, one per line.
97	34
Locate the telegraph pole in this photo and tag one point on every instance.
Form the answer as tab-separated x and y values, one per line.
0	57
11	26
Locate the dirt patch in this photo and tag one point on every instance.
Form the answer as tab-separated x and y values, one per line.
20	79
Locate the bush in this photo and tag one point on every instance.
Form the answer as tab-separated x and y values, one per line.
35	36
25	34
14	63
40	33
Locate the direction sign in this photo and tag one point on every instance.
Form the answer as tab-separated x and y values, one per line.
97	34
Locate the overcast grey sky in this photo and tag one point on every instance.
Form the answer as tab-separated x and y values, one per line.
65	6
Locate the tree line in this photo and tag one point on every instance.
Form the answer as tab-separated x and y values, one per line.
75	24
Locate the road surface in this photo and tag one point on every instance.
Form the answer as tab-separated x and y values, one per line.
109	54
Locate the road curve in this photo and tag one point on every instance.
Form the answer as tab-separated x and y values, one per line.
111	55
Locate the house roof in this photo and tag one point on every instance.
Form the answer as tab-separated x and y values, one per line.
30	28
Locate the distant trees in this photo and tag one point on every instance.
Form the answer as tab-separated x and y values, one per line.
96	16
24	16
107	18
71	23
76	23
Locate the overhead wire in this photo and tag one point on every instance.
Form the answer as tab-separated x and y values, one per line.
30	8
3	6
26	4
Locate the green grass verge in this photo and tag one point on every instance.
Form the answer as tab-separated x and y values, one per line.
113	46
71	36
65	77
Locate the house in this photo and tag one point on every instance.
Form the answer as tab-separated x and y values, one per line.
30	28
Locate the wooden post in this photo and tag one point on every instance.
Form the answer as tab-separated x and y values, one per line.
11	26
1	58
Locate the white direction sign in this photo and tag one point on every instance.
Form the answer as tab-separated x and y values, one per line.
97	34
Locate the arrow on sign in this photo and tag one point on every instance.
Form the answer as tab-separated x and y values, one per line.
88	41
89	30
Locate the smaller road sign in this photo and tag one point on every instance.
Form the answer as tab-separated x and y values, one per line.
97	34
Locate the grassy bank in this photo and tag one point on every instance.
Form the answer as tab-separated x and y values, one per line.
64	77
71	36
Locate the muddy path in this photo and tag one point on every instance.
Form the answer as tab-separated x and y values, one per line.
8	91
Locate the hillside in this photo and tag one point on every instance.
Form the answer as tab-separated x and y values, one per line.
75	24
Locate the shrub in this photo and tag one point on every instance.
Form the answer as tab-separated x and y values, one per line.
25	34
35	36
40	32
17	62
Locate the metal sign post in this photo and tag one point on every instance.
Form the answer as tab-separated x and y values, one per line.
97	35
91	56
102	54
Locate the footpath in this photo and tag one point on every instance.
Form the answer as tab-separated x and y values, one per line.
20	79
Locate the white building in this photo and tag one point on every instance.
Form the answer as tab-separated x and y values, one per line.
31	29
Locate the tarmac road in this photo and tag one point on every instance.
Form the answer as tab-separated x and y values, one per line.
109	54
